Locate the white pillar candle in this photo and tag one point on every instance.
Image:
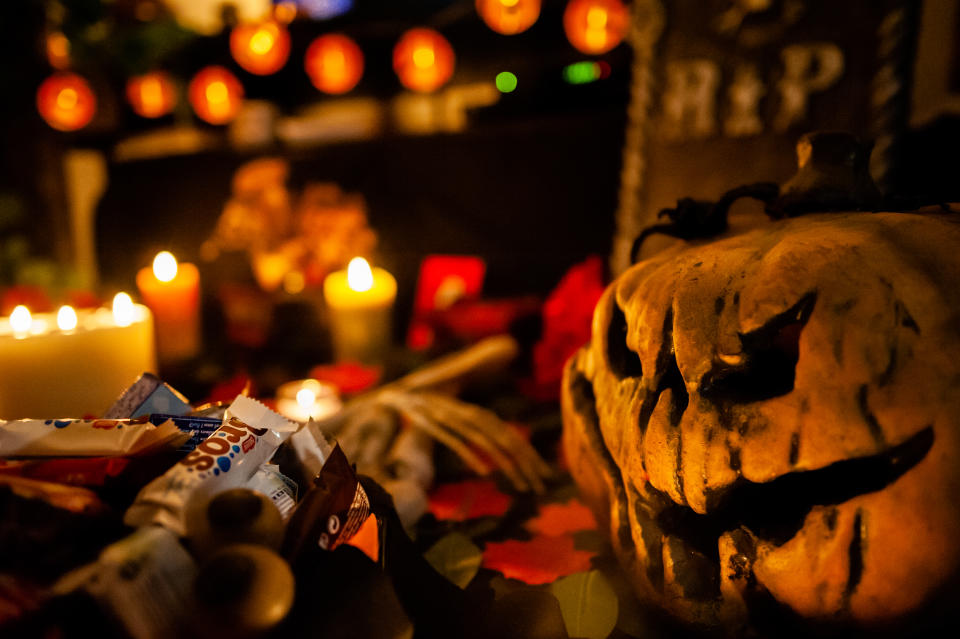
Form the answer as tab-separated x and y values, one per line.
360	304
72	363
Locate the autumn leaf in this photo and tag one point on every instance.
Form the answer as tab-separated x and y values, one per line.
541	560
556	519
468	500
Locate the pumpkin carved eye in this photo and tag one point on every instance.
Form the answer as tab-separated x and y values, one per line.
623	361
770	359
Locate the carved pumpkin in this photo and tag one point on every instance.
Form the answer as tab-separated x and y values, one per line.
769	423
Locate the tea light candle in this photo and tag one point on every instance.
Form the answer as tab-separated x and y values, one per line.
304	399
360	302
172	291
70	363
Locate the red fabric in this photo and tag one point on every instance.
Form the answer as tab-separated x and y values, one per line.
567	319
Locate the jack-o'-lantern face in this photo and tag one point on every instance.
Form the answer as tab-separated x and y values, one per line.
772	420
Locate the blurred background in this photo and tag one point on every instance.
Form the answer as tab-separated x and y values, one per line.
269	142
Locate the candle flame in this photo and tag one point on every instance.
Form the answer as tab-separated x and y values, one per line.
165	266
66	318
20	320
306	398
359	275
122	309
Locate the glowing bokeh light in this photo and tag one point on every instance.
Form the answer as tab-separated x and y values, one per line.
306	398
151	95
334	63
122	309
509	17
66	102
359	275
596	26
325	9
423	60
260	48
20	321
215	95
66	318
58	50
506	82
582	72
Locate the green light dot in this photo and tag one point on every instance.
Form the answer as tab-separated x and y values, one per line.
506	82
581	72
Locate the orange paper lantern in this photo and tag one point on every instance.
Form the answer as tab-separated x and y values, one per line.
151	95
423	60
509	16
596	26
260	48
215	95
334	63
66	102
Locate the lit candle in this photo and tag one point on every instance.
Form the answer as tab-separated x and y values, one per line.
304	399
172	291
360	302
70	363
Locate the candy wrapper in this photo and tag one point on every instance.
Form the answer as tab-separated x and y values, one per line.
281	490
148	395
76	471
144	581
88	437
331	511
200	428
249	436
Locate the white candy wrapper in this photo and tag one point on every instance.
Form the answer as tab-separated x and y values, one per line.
281	490
250	435
87	437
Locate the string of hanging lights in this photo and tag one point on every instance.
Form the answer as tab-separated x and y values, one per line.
423	60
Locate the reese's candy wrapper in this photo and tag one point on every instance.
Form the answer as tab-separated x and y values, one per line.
330	512
88	437
249	436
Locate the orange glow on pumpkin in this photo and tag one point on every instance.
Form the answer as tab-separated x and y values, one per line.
260	48
509	16
151	95
66	102
215	95
423	60
596	26
334	63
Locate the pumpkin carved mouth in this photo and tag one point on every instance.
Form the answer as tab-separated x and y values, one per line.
747	512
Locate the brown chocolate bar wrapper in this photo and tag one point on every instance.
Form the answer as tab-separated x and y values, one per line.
330	512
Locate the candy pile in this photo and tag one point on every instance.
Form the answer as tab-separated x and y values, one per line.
165	520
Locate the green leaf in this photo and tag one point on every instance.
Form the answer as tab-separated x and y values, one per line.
456	558
588	603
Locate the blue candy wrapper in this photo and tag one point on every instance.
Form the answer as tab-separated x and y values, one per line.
199	427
